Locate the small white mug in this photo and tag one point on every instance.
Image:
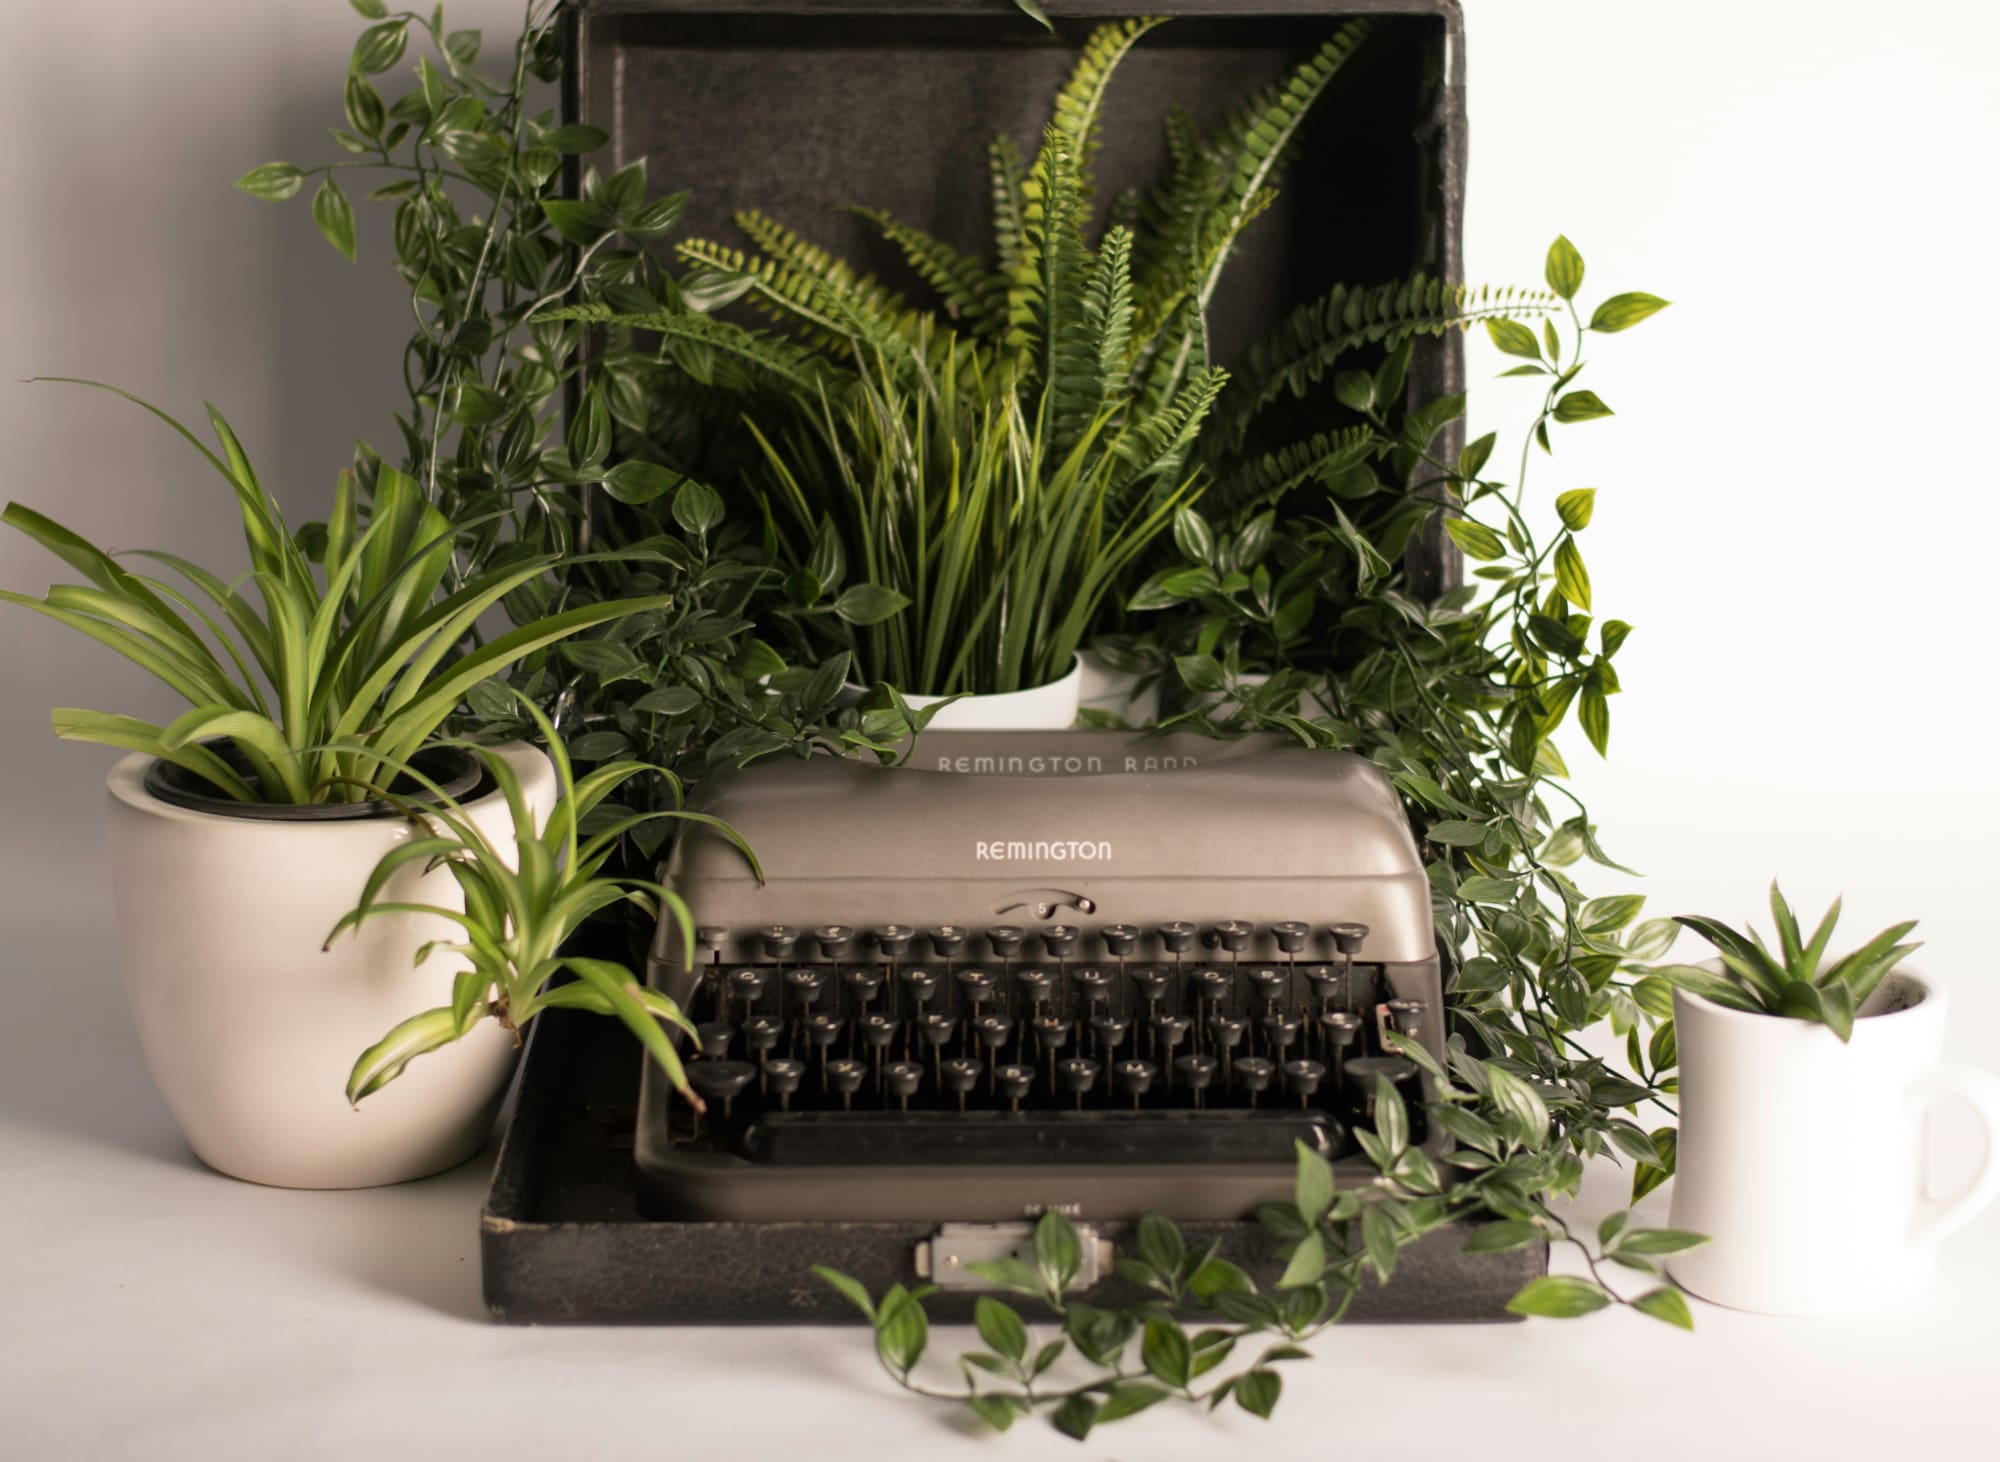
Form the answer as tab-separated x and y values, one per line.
1804	1160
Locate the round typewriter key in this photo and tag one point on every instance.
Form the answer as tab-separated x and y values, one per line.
904	1077
960	1076
949	940
1195	1072
1227	1030
1110	1032
877	1030
975	986
1232	936
1325	981
1178	936
1135	1079
1152	987
1291	936
777	941
1059	940
719	1081
1213	986
1014	1082
1347	938
1340	1028
806	984
1362	1072
920	985
763	1032
1253	1074
1270	986
1093	986
937	1029
1035	984
783	1077
1302	1078
1168	1033
833	940
1006	939
715	1037
711	936
863	985
1077	1076
1407	1016
746	985
893	940
993	1031
1052	1031
1280	1031
1119	939
846	1077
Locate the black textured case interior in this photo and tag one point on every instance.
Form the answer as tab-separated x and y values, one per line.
562	1240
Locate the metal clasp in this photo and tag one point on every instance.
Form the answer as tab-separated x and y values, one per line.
946	1257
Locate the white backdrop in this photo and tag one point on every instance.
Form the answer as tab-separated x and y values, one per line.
1795	507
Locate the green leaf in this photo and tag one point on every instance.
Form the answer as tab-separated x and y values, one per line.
697	507
1039	16
869	604
1559	1296
1580	406
639	482
578	222
1160	1245
1076	1416
1454	834
1575	507
672	700
384	1061
1665	1304
1193	536
1475	538
1709	985
901	1329
1257	1391
1623	311
1609	915
1312	1183
1563	268
335	217
1058	1255
379	47
1131	1397
997	1412
272	180
1500	1237
1214	1276
1593	713
369	9
1520	1101
1165	1351
1307	1264
853	1290
1473	459
1572	579
1000	1327
1514	338
1660	1240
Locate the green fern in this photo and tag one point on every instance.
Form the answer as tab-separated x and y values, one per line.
1080	104
1272	475
1159	443
969	291
1107	314
1003	160
774	357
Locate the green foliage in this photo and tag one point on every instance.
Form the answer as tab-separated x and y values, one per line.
523	900
1195	1312
353	662
1796	980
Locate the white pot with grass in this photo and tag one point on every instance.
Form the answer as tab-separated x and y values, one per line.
249	1027
1050	707
1806	1091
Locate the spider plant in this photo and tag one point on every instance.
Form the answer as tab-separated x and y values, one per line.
1795	980
522	905
342	672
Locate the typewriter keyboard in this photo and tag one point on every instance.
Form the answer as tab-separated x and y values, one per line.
898	1046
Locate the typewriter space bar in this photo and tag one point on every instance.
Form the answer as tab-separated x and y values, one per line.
912	1138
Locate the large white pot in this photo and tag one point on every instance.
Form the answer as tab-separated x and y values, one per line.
1050	707
250	1029
1804	1159
1117	692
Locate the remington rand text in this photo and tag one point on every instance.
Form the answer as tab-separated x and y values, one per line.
1056	765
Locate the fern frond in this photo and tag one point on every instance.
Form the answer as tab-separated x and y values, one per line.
833	319
1159	443
1107	313
1003	159
1045	303
1175	325
883	312
1081	101
774	357
1310	342
968	290
1277	473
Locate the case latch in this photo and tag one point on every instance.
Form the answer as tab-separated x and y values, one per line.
947	1256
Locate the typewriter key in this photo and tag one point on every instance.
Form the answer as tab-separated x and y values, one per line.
975	987
714	1037
718	1081
1302	1079
960	1076
1212	987
937	1030
1006	940
1168	1033
1051	1035
1232	936
1407	1016
1177	936
712	937
1119	939
1326	981
919	985
948	940
1338	1031
1271	987
1093	986
1152	987
1110	1032
1014	1082
1195	1072
1347	938
1291	936
1363	1072
1227	1031
1059	940
993	1031
904	1077
747	986
1135	1079
833	940
806	984
783	1077
877	1032
846	1077
863	985
778	941
1077	1076
1280	1031
893	940
1035	984
1253	1074
762	1034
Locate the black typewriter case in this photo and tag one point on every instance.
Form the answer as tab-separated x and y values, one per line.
779	105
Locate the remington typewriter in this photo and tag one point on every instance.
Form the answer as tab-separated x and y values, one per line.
1083	970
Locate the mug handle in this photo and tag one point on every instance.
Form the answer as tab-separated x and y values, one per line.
1937	1217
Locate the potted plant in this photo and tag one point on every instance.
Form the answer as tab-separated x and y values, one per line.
240	830
527	886
960	492
1805	1087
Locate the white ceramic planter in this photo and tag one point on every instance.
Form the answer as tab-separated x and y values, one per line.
1117	692
1050	707
250	1030
1804	1159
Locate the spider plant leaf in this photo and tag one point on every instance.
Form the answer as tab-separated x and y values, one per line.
640	1016
1846	969
353	918
1728	942
97	566
255	634
1815	948
384	1061
258	736
131	613
287	613
187	681
575	996
466	989
1861	983
1788	934
417	850
129	734
1710	986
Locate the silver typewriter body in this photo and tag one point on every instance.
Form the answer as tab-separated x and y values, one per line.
1185	887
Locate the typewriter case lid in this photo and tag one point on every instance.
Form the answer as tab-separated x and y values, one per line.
804	108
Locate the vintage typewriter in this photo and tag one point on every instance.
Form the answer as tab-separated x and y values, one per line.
1083	970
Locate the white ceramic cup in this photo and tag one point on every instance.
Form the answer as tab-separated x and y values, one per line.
1804	1160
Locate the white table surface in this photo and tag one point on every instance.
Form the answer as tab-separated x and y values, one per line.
151	1309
